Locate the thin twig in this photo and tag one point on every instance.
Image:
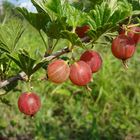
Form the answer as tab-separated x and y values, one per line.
19	76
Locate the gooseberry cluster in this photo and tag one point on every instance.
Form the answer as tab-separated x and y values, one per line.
80	72
58	71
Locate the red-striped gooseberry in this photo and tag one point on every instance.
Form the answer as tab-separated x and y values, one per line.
93	59
80	73
123	47
29	103
58	71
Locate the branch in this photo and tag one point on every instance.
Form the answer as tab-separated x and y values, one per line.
57	54
19	76
22	74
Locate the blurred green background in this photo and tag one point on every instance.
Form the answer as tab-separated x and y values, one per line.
110	112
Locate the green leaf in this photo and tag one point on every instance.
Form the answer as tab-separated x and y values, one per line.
90	4
72	37
106	17
135	4
27	62
4	47
38	8
123	10
10	34
38	66
53	5
24	61
95	34
78	5
15	60
54	28
37	20
74	16
59	9
100	15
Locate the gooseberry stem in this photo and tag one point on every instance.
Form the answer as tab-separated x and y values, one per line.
134	25
125	64
88	88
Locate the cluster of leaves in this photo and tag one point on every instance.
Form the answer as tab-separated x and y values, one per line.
61	18
10	33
